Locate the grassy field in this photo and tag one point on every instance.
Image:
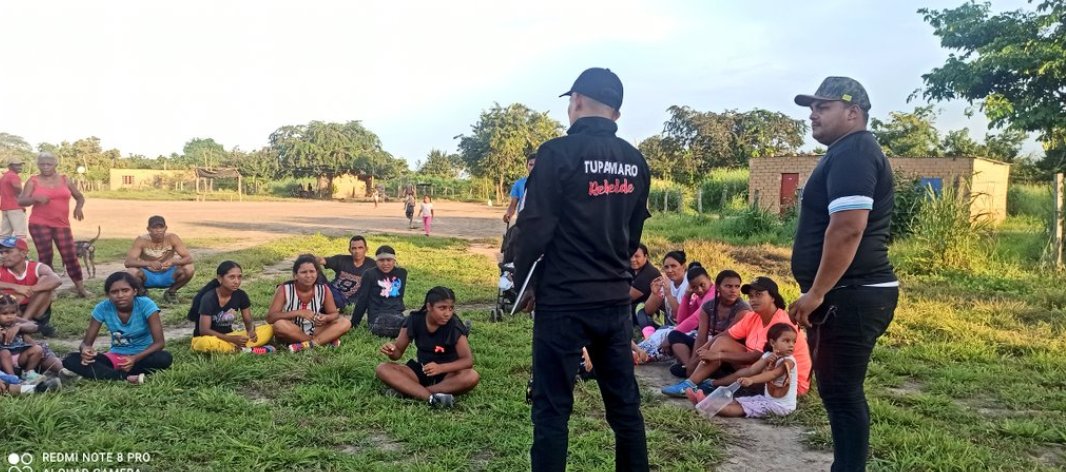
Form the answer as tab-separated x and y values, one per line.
969	376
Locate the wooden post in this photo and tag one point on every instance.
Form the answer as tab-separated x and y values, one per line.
666	201
1056	223
240	191
699	199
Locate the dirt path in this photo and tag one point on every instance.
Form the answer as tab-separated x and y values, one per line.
263	221
755	444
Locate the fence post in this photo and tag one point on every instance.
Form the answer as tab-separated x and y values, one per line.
1056	222
666	201
755	199
699	199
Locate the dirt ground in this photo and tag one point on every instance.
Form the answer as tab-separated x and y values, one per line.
755	445
255	222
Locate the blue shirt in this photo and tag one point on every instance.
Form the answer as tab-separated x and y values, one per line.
518	191
134	336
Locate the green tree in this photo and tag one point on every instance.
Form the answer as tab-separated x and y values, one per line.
14	146
502	138
441	164
204	153
958	143
322	149
87	153
1011	64
911	134
694	142
1004	146
257	166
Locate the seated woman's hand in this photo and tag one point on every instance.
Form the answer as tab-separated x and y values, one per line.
306	315
238	340
431	368
710	356
745	381
388	349
640	356
252	336
125	363
88	355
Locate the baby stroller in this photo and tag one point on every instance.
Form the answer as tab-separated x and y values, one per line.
507	289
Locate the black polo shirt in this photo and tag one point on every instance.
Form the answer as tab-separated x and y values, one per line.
853	175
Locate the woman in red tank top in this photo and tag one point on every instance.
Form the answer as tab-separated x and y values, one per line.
49	194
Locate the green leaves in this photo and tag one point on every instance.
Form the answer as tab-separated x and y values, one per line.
1012	63
325	148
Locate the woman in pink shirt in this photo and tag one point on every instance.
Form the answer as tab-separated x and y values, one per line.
744	342
49	193
700	290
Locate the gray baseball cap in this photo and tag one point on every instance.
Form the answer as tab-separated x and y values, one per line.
837	89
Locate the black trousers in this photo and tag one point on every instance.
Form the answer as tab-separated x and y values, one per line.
844	332
558	337
103	370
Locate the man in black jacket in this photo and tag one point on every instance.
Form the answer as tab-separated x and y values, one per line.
585	206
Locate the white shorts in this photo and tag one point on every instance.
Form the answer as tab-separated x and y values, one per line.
759	406
14	223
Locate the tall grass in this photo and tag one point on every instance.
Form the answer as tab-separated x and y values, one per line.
946	236
1029	200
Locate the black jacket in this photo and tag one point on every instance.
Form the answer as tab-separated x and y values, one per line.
380	293
586	202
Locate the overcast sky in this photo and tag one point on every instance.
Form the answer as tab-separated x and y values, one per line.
145	77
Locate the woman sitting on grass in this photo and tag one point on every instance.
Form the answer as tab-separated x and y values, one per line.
380	295
444	365
136	335
776	370
303	313
215	309
744	342
714	317
700	290
669	289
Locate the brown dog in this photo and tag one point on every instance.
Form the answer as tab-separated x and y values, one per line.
87	253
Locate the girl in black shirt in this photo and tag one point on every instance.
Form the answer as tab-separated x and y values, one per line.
444	365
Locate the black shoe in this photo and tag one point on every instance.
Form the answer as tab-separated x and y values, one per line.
48	384
678	370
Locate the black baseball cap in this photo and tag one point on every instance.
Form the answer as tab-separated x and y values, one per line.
599	84
764	284
156	221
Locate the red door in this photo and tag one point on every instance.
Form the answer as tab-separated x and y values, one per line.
789	182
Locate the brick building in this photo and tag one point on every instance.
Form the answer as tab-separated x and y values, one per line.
775	181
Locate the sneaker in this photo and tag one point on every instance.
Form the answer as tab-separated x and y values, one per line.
48	384
678	390
68	377
170	297
135	379
695	395
10	379
441	400
707	386
259	351
31	377
297	347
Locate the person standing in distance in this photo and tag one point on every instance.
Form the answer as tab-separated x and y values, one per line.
840	260
585	205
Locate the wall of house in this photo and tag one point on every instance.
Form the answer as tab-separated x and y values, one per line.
148	178
989	187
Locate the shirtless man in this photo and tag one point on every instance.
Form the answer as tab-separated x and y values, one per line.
160	259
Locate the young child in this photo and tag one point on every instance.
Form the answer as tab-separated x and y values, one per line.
17	348
426	212
777	369
409	210
444	365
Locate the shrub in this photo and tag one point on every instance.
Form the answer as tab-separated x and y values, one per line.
1030	200
946	236
721	187
909	196
752	221
672	196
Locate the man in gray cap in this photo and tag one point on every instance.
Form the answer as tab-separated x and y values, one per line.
840	260
14	216
585	205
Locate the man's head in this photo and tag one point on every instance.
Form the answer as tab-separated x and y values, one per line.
15	164
357	247
157	228
531	160
13	251
596	92
839	107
